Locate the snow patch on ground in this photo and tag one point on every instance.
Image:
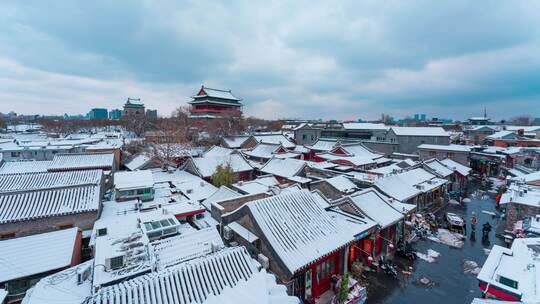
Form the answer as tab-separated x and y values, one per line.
471	267
448	238
430	256
453	202
466	200
487	251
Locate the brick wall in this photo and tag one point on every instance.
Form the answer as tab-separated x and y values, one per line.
85	221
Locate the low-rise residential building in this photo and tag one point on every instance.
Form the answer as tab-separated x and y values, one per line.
25	260
129	185
520	201
457	153
510	274
205	167
409	138
43	202
304	243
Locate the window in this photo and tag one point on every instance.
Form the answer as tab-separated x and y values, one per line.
508	282
304	136
319	277
15	154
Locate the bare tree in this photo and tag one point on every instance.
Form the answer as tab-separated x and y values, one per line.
169	144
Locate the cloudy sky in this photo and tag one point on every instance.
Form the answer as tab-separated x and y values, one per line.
308	59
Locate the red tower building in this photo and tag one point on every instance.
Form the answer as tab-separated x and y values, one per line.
214	103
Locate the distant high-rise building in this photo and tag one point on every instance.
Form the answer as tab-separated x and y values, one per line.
97	113
133	109
214	103
115	114
152	114
420	117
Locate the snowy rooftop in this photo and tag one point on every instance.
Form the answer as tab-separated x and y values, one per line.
463	170
54	288
395	187
259	185
47	180
455	148
194	282
342	184
393	168
501	134
519	264
208	165
438	167
129	180
184	247
39	253
364	126
274	138
419	131
82	161
323	145
26	166
218	151
299	229
235	142
521	194
376	206
217	93
267	151
283	167
138	162
222	193
51	202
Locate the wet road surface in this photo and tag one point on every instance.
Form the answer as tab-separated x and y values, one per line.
449	282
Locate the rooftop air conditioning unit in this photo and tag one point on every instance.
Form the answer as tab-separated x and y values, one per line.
263	260
102	231
227	233
202	183
114	263
83	274
214	247
189	191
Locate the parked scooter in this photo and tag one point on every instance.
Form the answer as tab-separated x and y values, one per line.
405	250
388	267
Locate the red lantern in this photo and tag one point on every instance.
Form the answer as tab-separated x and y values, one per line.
391	246
369	260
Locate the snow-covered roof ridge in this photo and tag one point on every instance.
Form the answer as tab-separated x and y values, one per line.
48	180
